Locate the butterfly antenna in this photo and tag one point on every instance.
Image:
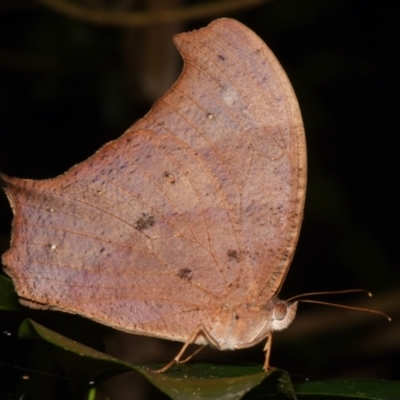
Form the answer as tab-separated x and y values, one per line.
299	298
348	307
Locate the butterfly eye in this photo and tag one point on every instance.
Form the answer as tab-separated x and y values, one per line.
280	311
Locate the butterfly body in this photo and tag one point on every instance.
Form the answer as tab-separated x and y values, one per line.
245	326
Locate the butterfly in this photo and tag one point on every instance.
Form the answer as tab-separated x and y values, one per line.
183	228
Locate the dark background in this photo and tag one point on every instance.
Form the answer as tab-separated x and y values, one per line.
67	87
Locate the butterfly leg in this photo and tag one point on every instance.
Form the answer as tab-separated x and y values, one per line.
177	359
191	356
267	349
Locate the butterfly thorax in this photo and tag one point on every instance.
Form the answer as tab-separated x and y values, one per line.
247	324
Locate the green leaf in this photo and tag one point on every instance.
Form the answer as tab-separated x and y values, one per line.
207	381
195	381
189	381
370	389
82	364
8	297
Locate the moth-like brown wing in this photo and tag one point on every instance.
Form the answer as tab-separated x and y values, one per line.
197	205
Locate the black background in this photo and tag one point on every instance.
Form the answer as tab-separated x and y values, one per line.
65	90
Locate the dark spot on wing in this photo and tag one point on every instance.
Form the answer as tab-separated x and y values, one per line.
233	254
185	273
144	222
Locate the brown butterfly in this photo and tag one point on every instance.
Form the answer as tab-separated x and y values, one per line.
183	228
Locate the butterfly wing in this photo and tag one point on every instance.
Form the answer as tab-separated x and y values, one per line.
197	206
